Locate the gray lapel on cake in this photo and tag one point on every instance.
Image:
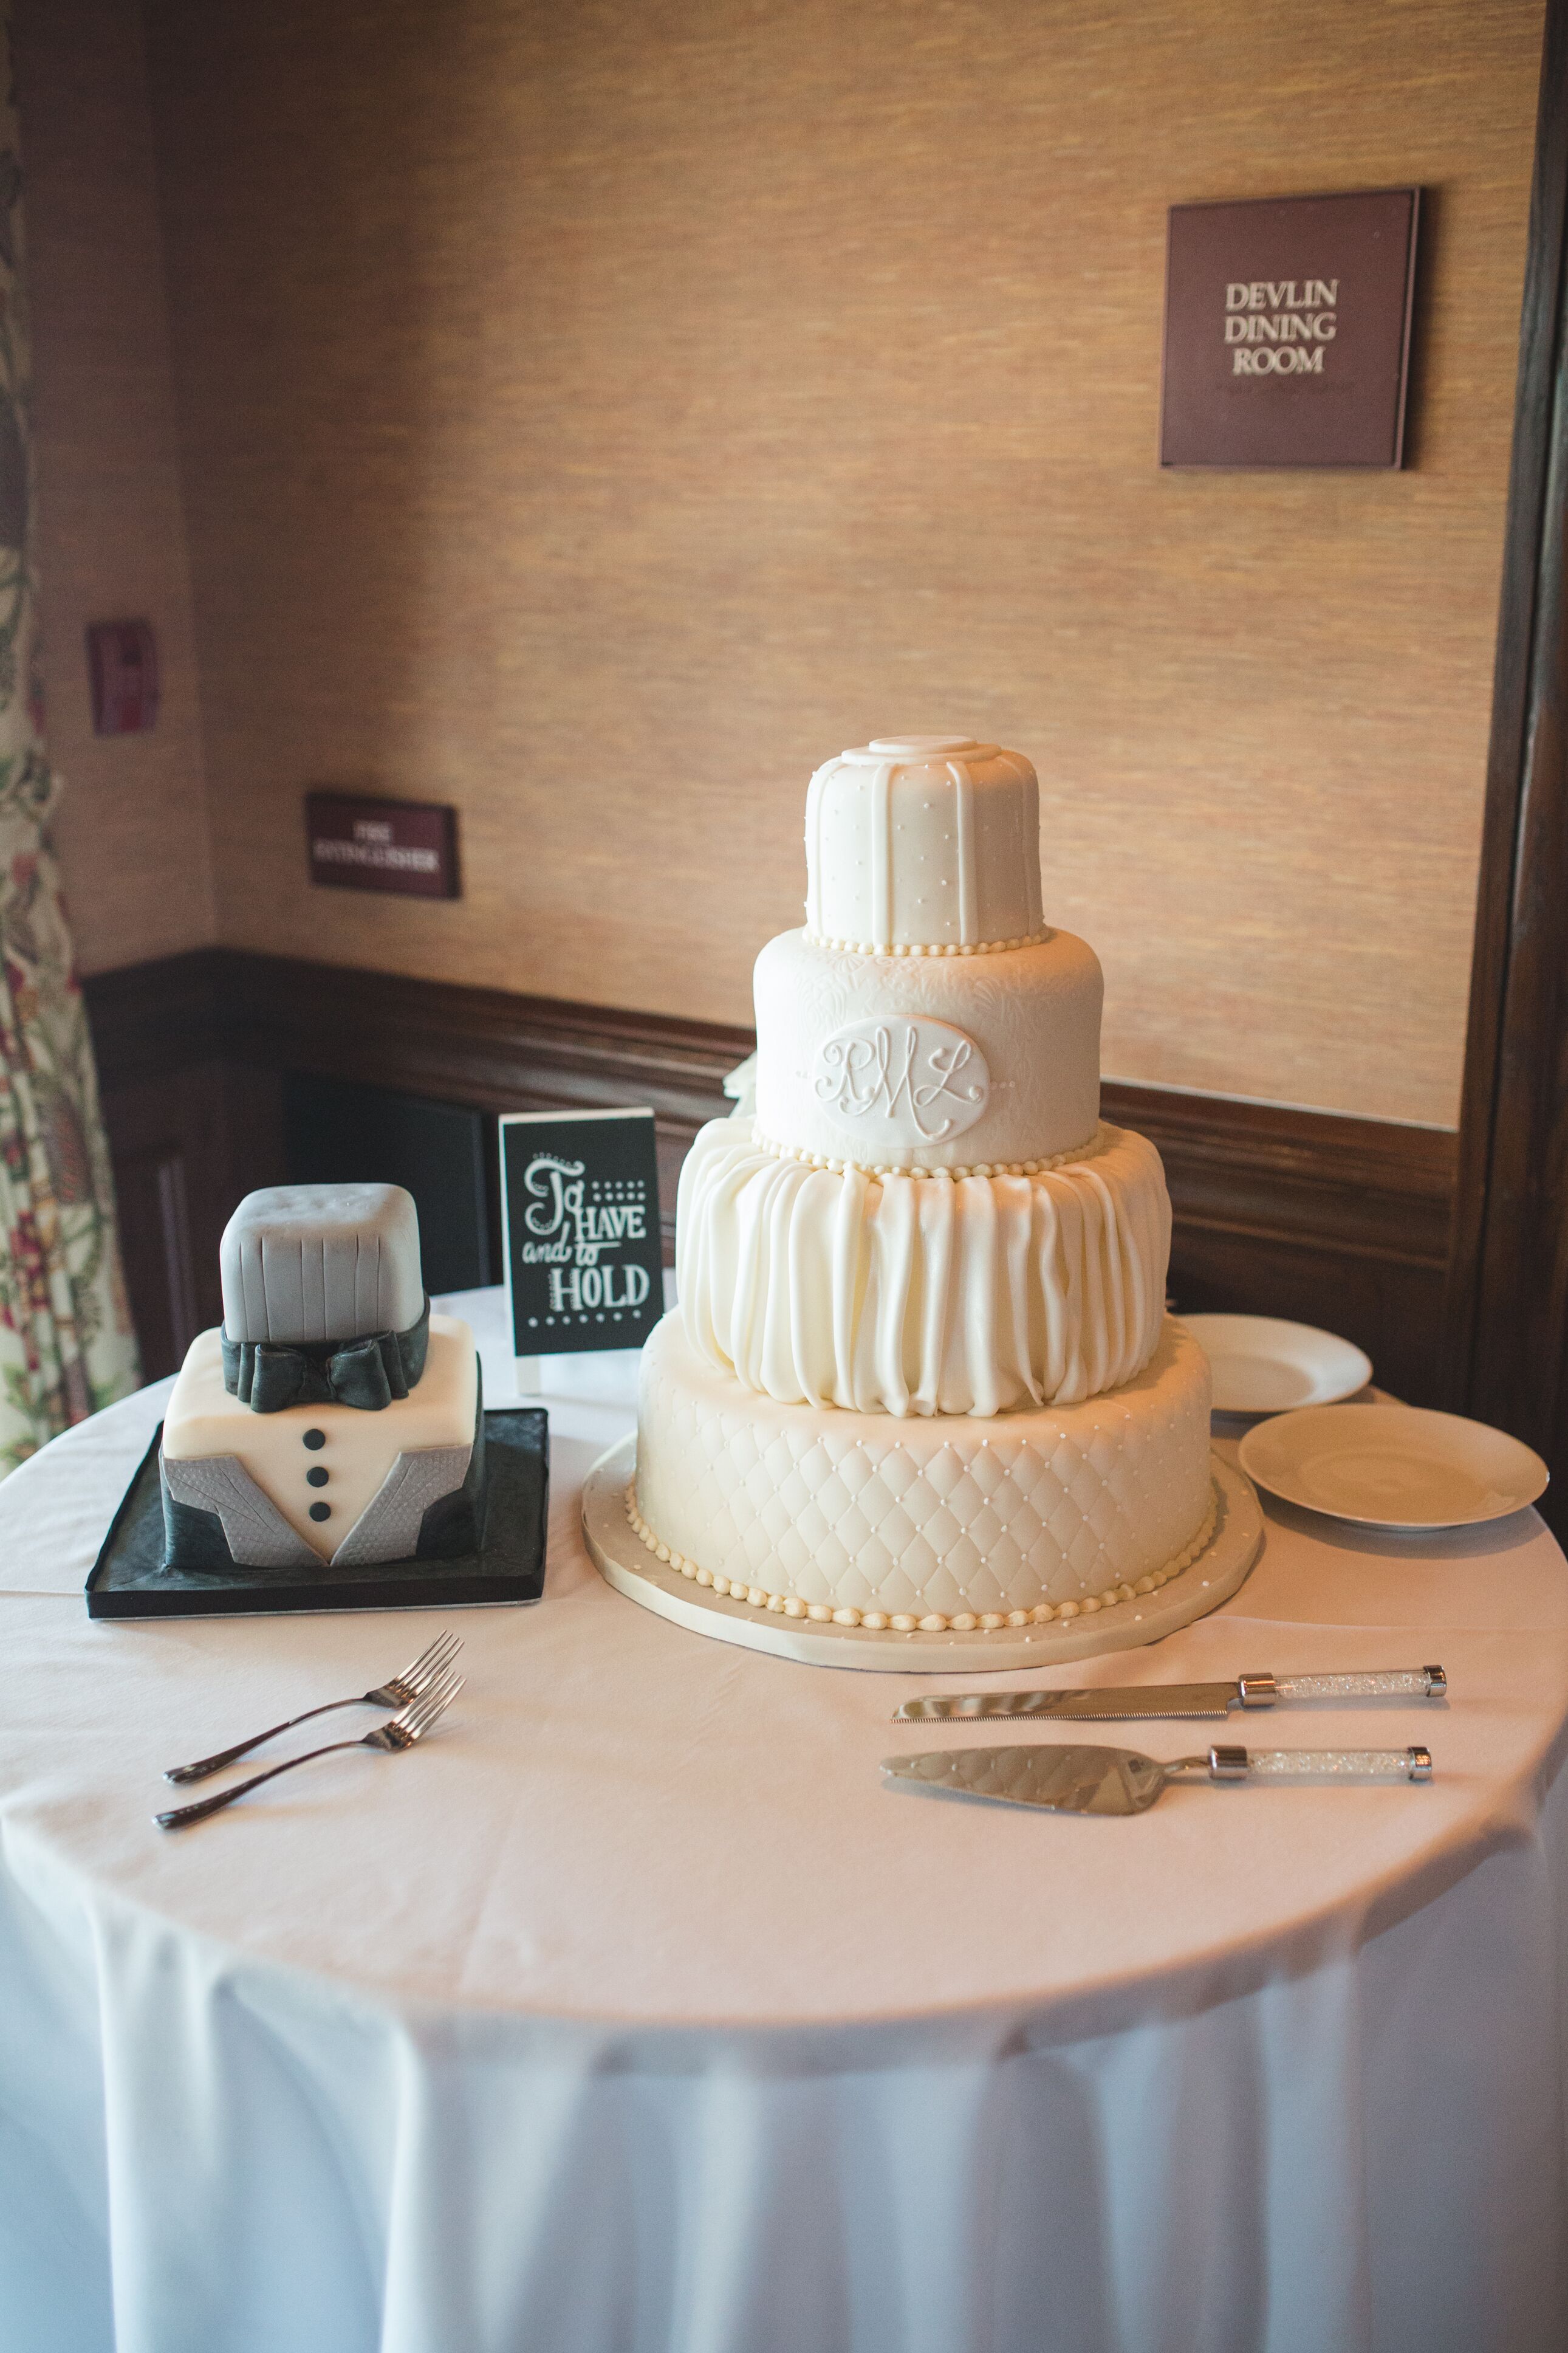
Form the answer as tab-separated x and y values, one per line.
255	1530
388	1527
258	1536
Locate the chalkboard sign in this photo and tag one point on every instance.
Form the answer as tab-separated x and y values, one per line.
581	1229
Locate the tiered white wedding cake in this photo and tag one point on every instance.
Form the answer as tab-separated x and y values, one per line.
920	1374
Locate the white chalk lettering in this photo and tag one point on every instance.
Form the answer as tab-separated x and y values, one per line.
574	1288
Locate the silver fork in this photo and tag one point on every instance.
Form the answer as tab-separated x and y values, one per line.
396	1692
399	1732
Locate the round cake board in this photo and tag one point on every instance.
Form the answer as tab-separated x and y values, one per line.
624	1560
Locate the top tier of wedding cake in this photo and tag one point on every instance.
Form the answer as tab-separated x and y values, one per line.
923	845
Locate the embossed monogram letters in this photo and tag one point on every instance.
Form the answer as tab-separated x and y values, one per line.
908	1083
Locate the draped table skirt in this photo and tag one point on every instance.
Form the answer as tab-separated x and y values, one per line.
632	2011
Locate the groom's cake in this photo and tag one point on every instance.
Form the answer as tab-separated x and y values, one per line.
332	1420
920	1374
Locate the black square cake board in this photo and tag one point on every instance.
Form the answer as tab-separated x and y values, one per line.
127	1580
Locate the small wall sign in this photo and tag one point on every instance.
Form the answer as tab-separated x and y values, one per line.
581	1232
1288	330
122	665
358	843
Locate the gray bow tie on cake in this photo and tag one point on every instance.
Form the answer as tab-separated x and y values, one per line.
324	1299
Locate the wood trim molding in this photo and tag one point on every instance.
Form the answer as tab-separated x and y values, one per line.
1280	1212
1367	1189
479	1046
151	1020
1307	1215
1505	1358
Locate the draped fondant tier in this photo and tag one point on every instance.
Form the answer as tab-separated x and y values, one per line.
922	1295
1061	1504
928	1061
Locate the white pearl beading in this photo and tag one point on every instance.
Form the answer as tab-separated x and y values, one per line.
941	948
836	1168
877	1622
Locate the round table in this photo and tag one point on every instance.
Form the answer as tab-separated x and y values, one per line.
632	2010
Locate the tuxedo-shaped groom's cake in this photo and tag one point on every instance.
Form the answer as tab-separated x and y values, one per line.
332	1420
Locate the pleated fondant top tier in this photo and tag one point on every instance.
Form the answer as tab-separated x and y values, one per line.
924	844
307	1265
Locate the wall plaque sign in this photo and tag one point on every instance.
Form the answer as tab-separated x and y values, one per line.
1288	330
581	1232
122	664
358	843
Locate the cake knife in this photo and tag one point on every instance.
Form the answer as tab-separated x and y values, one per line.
1172	1699
1119	1781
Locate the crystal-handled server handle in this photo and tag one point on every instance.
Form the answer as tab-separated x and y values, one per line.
1414	1764
1395	1683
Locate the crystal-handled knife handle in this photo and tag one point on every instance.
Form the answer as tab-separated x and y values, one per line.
1398	1683
1319	1764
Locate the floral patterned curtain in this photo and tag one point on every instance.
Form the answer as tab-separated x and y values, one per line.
66	1340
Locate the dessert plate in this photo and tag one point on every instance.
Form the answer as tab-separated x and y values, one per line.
1262	1364
625	1562
1393	1466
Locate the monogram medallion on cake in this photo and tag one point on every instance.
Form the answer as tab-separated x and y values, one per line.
897	1084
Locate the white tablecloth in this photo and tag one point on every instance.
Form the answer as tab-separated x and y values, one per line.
633	2014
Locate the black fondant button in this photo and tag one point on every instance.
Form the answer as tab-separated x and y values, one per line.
315	1476
320	1510
315	1440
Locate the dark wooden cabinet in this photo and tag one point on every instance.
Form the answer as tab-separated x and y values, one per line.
338	1132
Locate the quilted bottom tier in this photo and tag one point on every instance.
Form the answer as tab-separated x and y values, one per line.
961	1520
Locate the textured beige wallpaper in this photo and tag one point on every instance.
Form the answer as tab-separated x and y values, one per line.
597	415
110	535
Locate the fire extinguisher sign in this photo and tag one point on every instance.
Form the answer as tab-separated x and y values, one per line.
580	1221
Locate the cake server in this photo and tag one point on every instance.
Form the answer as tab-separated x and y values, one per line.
1172	1699
1119	1781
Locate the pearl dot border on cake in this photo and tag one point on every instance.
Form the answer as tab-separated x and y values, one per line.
1097	1142
877	1622
934	948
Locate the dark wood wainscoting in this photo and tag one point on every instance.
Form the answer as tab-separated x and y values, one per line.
1337	1222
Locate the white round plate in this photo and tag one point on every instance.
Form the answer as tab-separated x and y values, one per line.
625	1562
1262	1364
1393	1466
